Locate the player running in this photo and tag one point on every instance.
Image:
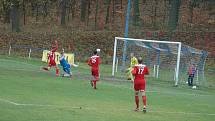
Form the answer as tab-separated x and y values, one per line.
139	72
94	62
66	66
51	57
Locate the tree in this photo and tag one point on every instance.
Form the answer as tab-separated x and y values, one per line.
96	14
136	12
6	4
63	11
113	13
192	5
83	10
15	14
88	11
174	14
107	11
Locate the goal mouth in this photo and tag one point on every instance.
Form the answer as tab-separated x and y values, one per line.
167	60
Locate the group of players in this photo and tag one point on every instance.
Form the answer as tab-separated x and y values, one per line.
137	70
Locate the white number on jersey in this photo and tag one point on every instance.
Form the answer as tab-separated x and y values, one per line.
93	60
140	70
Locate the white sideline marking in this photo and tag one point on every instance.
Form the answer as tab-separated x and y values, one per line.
41	105
7	101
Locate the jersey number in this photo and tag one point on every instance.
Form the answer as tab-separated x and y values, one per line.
140	71
93	60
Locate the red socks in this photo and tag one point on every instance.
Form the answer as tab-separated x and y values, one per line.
137	101
144	101
57	72
94	84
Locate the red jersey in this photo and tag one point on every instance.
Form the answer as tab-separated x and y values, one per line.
94	62
52	53
139	73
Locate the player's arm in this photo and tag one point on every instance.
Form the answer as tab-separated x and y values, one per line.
56	46
89	62
49	55
134	71
146	71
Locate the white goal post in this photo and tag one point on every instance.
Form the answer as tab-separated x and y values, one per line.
178	44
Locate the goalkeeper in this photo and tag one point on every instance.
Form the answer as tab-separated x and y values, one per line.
132	64
66	66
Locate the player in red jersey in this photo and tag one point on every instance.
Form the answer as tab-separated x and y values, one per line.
139	72
51	58
94	62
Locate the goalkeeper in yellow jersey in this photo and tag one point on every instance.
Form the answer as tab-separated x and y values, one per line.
132	64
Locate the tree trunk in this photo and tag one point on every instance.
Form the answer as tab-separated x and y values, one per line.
83	10
6	9
174	14
191	6
88	12
107	12
15	16
155	13
113	13
37	12
136	12
24	12
63	12
73	8
96	14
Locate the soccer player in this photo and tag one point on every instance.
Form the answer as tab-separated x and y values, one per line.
66	66
191	72
139	72
94	62
132	64
51	57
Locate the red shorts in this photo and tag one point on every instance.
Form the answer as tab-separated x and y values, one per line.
52	63
139	86
95	74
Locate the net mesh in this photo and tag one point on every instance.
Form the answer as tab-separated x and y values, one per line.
161	58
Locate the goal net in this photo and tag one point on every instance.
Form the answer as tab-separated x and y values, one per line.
167	60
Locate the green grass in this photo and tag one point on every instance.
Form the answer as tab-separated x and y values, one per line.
49	98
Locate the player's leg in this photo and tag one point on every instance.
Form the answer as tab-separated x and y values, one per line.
96	78
143	93
91	81
47	67
136	93
56	70
191	80
67	71
95	74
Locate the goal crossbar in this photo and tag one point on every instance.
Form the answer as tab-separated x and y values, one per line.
154	41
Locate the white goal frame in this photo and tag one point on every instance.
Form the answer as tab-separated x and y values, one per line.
154	41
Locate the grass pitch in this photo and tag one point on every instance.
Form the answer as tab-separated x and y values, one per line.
29	94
